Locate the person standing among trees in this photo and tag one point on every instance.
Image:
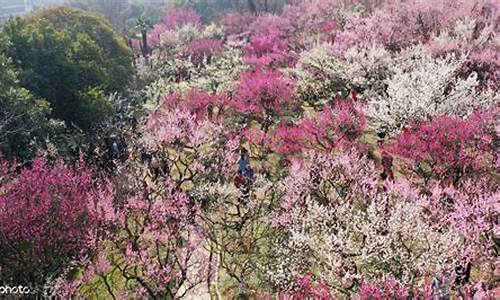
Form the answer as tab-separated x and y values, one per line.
244	161
387	160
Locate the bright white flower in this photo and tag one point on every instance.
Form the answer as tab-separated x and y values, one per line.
420	87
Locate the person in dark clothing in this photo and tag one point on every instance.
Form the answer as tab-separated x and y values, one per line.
239	180
381	137
244	161
146	156
244	177
158	166
387	166
249	173
115	148
462	272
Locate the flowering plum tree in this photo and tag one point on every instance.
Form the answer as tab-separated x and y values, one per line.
263	93
266	50
269	24
152	242
469	209
403	24
237	227
235	23
334	127
421	87
344	226
173	19
178	17
450	147
320	76
50	215
203	49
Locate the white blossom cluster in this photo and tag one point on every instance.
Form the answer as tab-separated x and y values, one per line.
463	33
345	227
320	75
347	241
221	73
219	76
366	69
421	87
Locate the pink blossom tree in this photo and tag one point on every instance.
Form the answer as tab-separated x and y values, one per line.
152	242
235	23
346	227
404	24
173	20
263	94
451	147
50	215
269	24
177	17
201	50
389	289
267	50
470	209
333	127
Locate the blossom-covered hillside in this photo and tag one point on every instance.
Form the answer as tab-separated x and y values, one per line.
331	149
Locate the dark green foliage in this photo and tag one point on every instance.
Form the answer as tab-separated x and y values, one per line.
24	121
70	58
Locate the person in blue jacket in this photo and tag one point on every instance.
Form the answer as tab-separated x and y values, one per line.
243	162
249	173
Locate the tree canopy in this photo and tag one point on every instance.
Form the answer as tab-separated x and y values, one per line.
23	117
71	58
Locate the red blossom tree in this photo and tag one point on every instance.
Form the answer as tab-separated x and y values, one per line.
49	216
333	127
267	50
263	93
451	146
203	49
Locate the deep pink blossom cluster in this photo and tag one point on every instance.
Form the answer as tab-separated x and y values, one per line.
266	50
262	92
333	127
450	145
390	289
203	49
49	208
50	216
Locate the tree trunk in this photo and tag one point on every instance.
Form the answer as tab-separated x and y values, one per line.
144	44
252	7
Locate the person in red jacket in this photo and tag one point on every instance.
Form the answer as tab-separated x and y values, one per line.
239	179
